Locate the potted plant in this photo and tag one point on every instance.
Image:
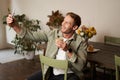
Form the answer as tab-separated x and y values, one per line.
55	20
22	45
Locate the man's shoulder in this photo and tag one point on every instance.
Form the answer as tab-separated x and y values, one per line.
79	38
53	32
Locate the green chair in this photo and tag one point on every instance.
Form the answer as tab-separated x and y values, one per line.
112	40
117	67
61	64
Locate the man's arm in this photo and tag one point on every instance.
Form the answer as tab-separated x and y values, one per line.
24	32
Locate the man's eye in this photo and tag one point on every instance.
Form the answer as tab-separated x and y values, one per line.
67	22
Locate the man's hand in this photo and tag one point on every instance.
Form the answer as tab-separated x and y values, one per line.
61	44
10	20
12	23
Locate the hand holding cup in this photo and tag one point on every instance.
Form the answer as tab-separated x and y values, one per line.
60	43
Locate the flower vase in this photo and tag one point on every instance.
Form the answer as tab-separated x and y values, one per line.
86	40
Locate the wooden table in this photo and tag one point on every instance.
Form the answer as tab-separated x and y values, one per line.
104	57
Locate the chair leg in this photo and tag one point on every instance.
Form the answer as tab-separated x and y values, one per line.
104	72
112	74
93	71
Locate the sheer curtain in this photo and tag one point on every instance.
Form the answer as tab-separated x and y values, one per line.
2	31
4	4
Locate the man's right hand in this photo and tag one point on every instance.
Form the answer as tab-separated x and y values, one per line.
10	20
12	23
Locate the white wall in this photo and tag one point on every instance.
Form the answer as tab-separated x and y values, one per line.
102	14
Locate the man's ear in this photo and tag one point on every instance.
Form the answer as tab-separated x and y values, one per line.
75	27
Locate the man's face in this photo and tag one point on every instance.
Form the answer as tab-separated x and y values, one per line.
67	25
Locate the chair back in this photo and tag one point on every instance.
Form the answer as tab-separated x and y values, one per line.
112	40
61	64
117	67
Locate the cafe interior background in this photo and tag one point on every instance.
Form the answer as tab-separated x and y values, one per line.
104	15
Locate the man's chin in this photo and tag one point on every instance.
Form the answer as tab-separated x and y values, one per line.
62	30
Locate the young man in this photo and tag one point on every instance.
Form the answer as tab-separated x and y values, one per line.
63	44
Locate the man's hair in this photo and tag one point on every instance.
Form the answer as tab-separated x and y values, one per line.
77	18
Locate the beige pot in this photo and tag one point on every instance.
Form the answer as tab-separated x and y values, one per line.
29	55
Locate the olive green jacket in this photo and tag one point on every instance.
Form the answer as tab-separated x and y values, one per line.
77	44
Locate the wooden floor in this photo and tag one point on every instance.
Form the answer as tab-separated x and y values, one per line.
21	69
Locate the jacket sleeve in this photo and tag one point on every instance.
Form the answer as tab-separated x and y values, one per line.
78	59
35	36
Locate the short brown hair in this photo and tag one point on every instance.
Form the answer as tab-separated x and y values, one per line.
77	18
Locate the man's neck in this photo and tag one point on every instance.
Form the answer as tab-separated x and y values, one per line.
67	36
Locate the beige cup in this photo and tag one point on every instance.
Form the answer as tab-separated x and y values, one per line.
59	39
